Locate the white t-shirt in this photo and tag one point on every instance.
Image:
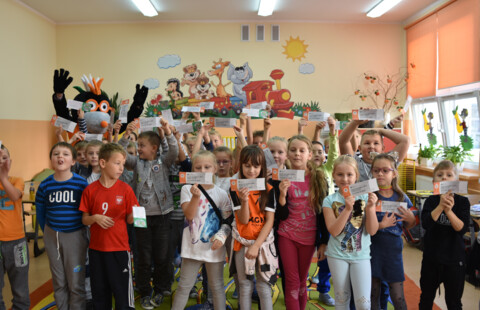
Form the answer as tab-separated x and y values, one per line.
198	232
93	177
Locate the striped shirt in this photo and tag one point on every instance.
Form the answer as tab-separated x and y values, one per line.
57	203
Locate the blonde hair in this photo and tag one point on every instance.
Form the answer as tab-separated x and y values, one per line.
226	150
280	139
213	132
205	154
318	188
348	160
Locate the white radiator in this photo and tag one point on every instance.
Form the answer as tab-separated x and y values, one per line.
422	182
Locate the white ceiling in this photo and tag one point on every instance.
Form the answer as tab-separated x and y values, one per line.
109	11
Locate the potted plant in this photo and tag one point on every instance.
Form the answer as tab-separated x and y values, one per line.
427	154
456	154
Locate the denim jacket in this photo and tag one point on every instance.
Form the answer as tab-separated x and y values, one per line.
160	177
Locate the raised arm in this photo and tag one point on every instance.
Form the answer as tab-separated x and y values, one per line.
402	142
344	140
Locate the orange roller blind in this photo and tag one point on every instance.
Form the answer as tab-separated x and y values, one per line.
421	51
459	44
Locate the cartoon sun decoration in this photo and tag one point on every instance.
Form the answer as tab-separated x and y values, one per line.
295	49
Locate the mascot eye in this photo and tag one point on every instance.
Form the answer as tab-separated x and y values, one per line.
93	105
104	106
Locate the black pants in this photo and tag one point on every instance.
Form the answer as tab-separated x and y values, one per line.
453	278
111	274
153	246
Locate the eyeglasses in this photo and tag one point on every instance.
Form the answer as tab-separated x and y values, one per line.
382	170
223	162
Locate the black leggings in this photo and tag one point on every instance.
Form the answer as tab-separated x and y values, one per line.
396	294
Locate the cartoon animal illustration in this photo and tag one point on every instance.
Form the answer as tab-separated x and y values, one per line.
98	105
173	89
190	75
240	76
218	69
203	90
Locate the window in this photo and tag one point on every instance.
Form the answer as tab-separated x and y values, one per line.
427	112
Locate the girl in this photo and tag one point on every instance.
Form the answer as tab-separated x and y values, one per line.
224	158
351	221
203	238
299	214
387	243
278	147
252	231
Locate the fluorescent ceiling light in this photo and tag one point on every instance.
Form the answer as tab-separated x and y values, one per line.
266	7
382	7
146	7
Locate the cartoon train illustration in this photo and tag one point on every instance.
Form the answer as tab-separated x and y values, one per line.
256	91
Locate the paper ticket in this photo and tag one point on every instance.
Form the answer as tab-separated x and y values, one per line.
459	187
270	161
198	109
67	125
167	115
123	111
255	112
360	188
251	184
91	137
74	104
223	122
316	116
207	105
178	122
139	217
290	174
196	177
148	122
371	114
389	206
259	105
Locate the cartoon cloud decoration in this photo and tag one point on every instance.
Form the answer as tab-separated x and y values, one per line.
168	61
306	68
151	83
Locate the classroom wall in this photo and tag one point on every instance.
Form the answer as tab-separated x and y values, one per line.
27	58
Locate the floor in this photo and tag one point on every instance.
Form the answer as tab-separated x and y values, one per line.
40	273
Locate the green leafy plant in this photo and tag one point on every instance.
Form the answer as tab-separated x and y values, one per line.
428	152
456	154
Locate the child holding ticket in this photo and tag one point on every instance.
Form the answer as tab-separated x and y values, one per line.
301	222
445	219
252	228
351	221
205	235
387	243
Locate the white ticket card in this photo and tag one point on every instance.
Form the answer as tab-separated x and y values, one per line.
149	122
198	109
67	125
290	174
178	122
74	104
317	116
223	122
139	217
196	177
458	187
259	105
167	115
270	161
184	128
337	126
207	105
371	114
390	206
251	184
91	137
123	111
360	188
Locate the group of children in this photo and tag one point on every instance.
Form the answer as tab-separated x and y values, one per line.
280	227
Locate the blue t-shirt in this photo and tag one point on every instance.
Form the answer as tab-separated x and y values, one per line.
57	203
397	229
354	241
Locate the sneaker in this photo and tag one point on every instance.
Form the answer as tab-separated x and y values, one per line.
193	293
145	303
156	300
167	293
255	297
315	279
326	299
235	294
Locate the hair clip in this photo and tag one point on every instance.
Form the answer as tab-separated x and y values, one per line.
392	154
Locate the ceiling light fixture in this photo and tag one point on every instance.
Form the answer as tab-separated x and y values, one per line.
146	7
382	7
266	7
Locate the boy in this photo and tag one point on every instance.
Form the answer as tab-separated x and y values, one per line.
151	186
445	219
107	206
65	237
92	151
13	246
81	148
